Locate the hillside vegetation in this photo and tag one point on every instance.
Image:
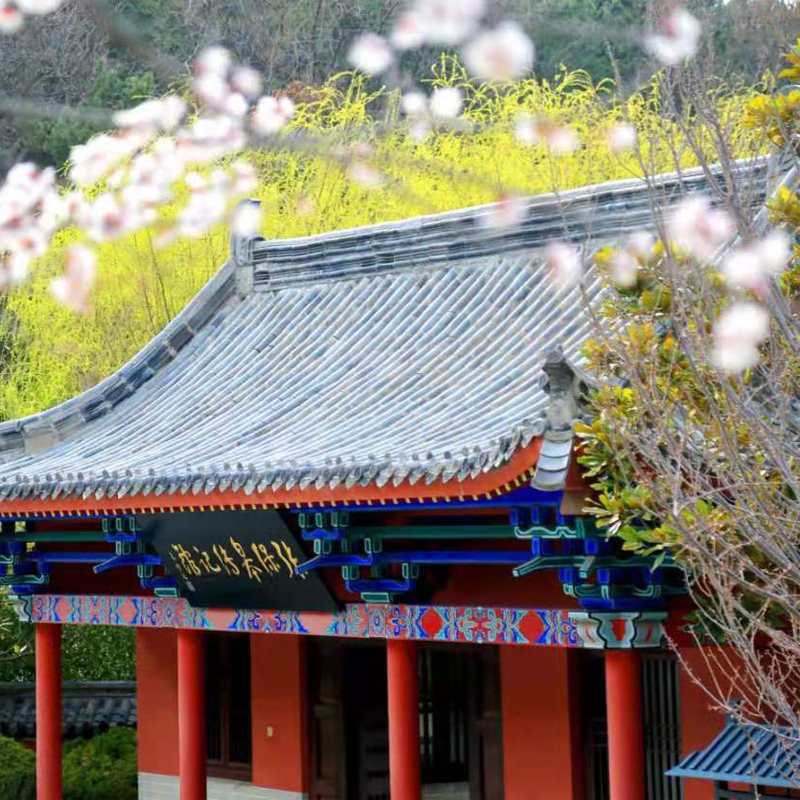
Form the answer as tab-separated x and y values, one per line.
49	353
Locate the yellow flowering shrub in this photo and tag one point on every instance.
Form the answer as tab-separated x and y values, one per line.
50	354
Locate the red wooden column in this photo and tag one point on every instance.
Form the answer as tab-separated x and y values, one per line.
625	725
48	711
403	686
191	715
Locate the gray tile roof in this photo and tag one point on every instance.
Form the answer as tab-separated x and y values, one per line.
408	351
87	708
751	754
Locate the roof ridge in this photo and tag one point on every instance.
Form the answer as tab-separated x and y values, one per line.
467	233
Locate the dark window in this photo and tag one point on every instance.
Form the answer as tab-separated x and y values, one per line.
662	730
443	696
228	717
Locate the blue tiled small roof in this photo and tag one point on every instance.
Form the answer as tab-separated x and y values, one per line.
403	352
743	753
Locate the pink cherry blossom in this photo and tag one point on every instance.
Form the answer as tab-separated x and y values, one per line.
738	332
11	18
446	102
271	114
508	212
244	177
624	268
164	114
371	54
504	53
365	174
559	139
449	22
247	81
678	37
621	137
107	219
698	228
754	265
74	287
409	30
206	208
564	263
216	60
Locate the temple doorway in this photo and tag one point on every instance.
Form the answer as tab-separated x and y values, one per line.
459	716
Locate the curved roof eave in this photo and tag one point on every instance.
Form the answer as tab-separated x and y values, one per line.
386	363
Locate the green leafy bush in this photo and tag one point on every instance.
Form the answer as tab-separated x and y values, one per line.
17	771
101	768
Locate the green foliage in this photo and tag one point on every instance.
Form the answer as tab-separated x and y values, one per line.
102	767
17	771
89	653
50	142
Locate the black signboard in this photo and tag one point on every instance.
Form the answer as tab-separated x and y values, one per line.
235	559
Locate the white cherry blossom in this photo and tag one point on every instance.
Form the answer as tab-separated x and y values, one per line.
74	287
677	39
446	102
621	137
738	332
271	114
414	104
371	54
246	219
38	6
698	228
503	53
564	263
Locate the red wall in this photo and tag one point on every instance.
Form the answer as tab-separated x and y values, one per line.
541	755
156	692
279	690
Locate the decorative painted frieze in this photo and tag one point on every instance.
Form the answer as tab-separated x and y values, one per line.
434	623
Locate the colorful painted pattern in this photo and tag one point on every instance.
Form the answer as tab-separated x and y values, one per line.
464	624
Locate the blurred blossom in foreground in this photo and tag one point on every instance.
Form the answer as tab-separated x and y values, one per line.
508	212
677	39
501	54
11	18
738	332
446	103
371	54
74	287
753	266
621	137
271	114
698	228
624	264
12	12
448	22
564	263
246	219
559	139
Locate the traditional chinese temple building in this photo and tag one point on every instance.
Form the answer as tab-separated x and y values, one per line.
338	501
